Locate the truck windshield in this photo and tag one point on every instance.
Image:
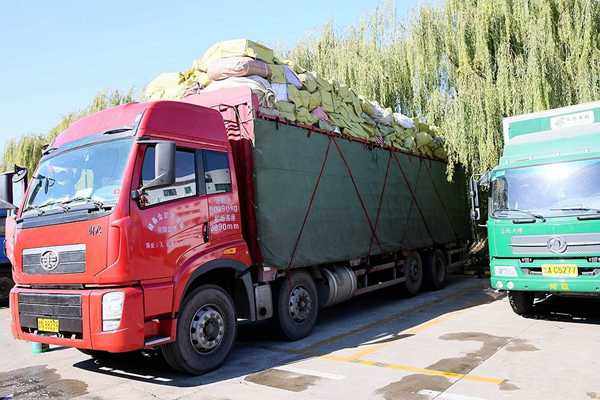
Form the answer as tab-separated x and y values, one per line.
91	173
559	189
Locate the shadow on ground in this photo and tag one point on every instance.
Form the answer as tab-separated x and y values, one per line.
568	309
372	318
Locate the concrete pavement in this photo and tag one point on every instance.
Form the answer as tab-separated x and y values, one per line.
460	343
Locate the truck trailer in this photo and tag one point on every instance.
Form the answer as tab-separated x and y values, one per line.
544	206
161	225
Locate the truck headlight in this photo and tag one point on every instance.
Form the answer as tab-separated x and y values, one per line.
505	270
112	310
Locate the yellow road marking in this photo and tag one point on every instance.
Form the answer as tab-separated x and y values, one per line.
367	349
386	320
410	368
373	348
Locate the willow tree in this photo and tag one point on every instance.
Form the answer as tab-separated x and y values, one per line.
27	150
466	64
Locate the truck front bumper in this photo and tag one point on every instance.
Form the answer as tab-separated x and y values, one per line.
79	316
548	285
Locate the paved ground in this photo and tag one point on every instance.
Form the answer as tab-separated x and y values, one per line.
461	343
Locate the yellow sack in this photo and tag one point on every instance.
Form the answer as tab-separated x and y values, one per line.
423	139
327	101
370	129
304	116
315	100
410	144
192	76
288	116
323	84
308	81
164	86
344	93
355	130
285	107
233	48
277	73
301	98
356	104
366	106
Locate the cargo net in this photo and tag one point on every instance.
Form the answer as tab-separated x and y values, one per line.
289	92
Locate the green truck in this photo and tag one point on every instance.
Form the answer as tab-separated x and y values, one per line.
544	206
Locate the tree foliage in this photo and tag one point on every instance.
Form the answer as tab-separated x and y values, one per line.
466	64
27	150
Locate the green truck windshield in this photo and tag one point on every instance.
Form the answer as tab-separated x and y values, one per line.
559	189
91	172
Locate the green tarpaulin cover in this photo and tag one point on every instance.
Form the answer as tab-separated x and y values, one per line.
287	166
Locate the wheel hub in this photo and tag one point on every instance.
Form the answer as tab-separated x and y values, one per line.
300	304
207	329
413	270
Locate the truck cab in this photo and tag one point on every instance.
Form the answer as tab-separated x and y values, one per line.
123	208
544	206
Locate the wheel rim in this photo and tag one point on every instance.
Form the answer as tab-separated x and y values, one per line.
300	304
207	329
413	270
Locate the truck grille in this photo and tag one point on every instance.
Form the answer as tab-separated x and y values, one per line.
66	308
54	260
574	244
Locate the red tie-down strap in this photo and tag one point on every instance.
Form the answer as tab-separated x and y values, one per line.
387	174
362	203
437	194
413	195
310	204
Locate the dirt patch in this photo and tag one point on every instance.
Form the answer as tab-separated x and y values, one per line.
463	365
39	382
507	385
408	388
285	380
593	395
518	345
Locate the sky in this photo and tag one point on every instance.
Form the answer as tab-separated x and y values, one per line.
56	55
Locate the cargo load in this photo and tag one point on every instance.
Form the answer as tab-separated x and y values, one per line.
293	179
293	94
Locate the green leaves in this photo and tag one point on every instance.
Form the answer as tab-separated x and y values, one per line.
465	65
27	150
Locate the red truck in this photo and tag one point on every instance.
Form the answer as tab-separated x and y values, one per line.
163	224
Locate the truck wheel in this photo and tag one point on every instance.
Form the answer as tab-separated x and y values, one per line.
435	269
296	305
413	272
206	330
521	302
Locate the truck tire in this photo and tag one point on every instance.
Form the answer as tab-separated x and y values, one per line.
521	302
206	330
296	305
413	271
435	269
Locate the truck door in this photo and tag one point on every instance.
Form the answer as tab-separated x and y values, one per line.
173	220
223	205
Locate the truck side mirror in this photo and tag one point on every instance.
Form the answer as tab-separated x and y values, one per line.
12	188
164	166
474	196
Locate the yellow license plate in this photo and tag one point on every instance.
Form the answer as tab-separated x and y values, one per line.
560	270
48	325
